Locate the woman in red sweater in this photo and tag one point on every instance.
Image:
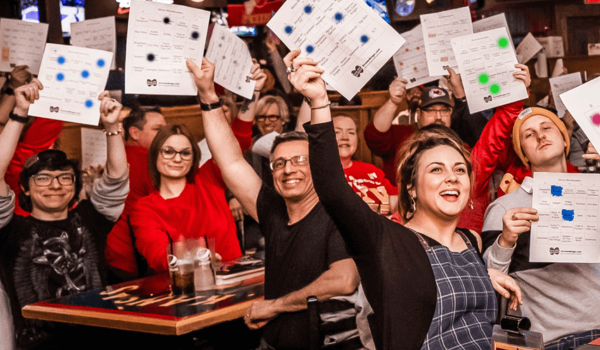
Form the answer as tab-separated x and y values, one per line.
189	203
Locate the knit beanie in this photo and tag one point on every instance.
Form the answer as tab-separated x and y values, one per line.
528	113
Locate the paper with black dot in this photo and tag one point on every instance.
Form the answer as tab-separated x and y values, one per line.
346	37
160	38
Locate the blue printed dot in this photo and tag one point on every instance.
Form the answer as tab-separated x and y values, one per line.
151	57
338	17
61	60
85	74
364	38
89	103
60	77
310	49
568	215
288	29
308	9
100	63
195	35
556	191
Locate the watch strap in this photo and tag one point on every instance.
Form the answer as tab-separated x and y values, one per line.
18	118
211	106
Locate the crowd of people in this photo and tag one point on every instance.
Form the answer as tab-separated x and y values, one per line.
421	246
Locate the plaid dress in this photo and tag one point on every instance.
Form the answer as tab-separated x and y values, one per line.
466	302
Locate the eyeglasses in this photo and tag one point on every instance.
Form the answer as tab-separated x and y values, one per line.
280	163
443	111
46	179
169	153
271	117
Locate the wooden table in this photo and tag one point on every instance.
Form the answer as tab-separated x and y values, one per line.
145	305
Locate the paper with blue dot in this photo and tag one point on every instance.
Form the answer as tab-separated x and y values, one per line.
160	38
99	34
346	37
568	229
21	43
232	61
73	78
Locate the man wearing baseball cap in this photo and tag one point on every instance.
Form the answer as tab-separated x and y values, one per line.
559	299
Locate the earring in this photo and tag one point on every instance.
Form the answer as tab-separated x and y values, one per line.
471	203
414	205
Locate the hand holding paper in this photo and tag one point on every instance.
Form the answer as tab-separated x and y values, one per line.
109	110
307	78
258	75
204	79
25	95
398	90
455	83
19	76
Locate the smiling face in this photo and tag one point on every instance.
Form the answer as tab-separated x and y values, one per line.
541	141
443	183
438	113
176	167
53	198
267	125
293	182
345	134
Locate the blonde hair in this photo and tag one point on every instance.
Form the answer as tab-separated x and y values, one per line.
263	104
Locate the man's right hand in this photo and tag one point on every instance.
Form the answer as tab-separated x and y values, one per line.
515	222
25	95
455	83
398	90
204	77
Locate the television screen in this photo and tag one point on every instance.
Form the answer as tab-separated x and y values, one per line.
243	31
70	11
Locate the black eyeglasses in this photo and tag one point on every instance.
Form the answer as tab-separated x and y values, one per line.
169	153
280	163
443	112
46	179
271	117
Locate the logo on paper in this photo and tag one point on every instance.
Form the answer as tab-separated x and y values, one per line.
488	99
412	80
554	251
53	109
151	82
356	72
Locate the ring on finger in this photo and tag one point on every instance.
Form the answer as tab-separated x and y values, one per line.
290	70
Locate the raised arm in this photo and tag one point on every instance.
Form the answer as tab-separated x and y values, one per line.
340	279
249	107
24	97
385	114
238	175
19	76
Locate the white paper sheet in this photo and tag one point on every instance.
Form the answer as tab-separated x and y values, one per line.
528	48
492	22
21	43
486	62
73	78
438	29
560	85
553	46
411	61
232	60
93	147
584	105
160	38
568	207
348	39
99	34
558	68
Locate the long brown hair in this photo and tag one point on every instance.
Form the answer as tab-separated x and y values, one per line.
410	155
159	140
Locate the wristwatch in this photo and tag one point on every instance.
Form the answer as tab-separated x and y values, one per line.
18	118
209	107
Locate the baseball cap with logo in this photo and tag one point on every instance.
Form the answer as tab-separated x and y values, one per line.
434	95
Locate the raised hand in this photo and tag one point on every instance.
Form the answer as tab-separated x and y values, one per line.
455	83
305	76
25	95
204	78
258	75
515	222
523	75
110	109
397	90
19	77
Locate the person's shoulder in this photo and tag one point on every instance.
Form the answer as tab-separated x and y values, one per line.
517	198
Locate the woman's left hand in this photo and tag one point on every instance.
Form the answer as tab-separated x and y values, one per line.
258	75
305	76
109	110
507	287
523	74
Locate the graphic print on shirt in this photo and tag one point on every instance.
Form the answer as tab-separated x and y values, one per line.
372	191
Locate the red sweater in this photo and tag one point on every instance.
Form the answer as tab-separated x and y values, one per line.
40	136
386	145
201	209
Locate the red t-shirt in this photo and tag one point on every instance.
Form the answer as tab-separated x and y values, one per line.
370	183
200	210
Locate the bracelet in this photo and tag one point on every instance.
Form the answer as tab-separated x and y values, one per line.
211	106
107	133
18	118
257	90
321	107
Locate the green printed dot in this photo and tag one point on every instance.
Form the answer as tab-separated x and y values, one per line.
495	89
483	78
503	42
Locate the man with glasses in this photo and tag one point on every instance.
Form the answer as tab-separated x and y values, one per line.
305	254
57	250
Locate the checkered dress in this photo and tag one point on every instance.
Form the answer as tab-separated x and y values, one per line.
466	304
